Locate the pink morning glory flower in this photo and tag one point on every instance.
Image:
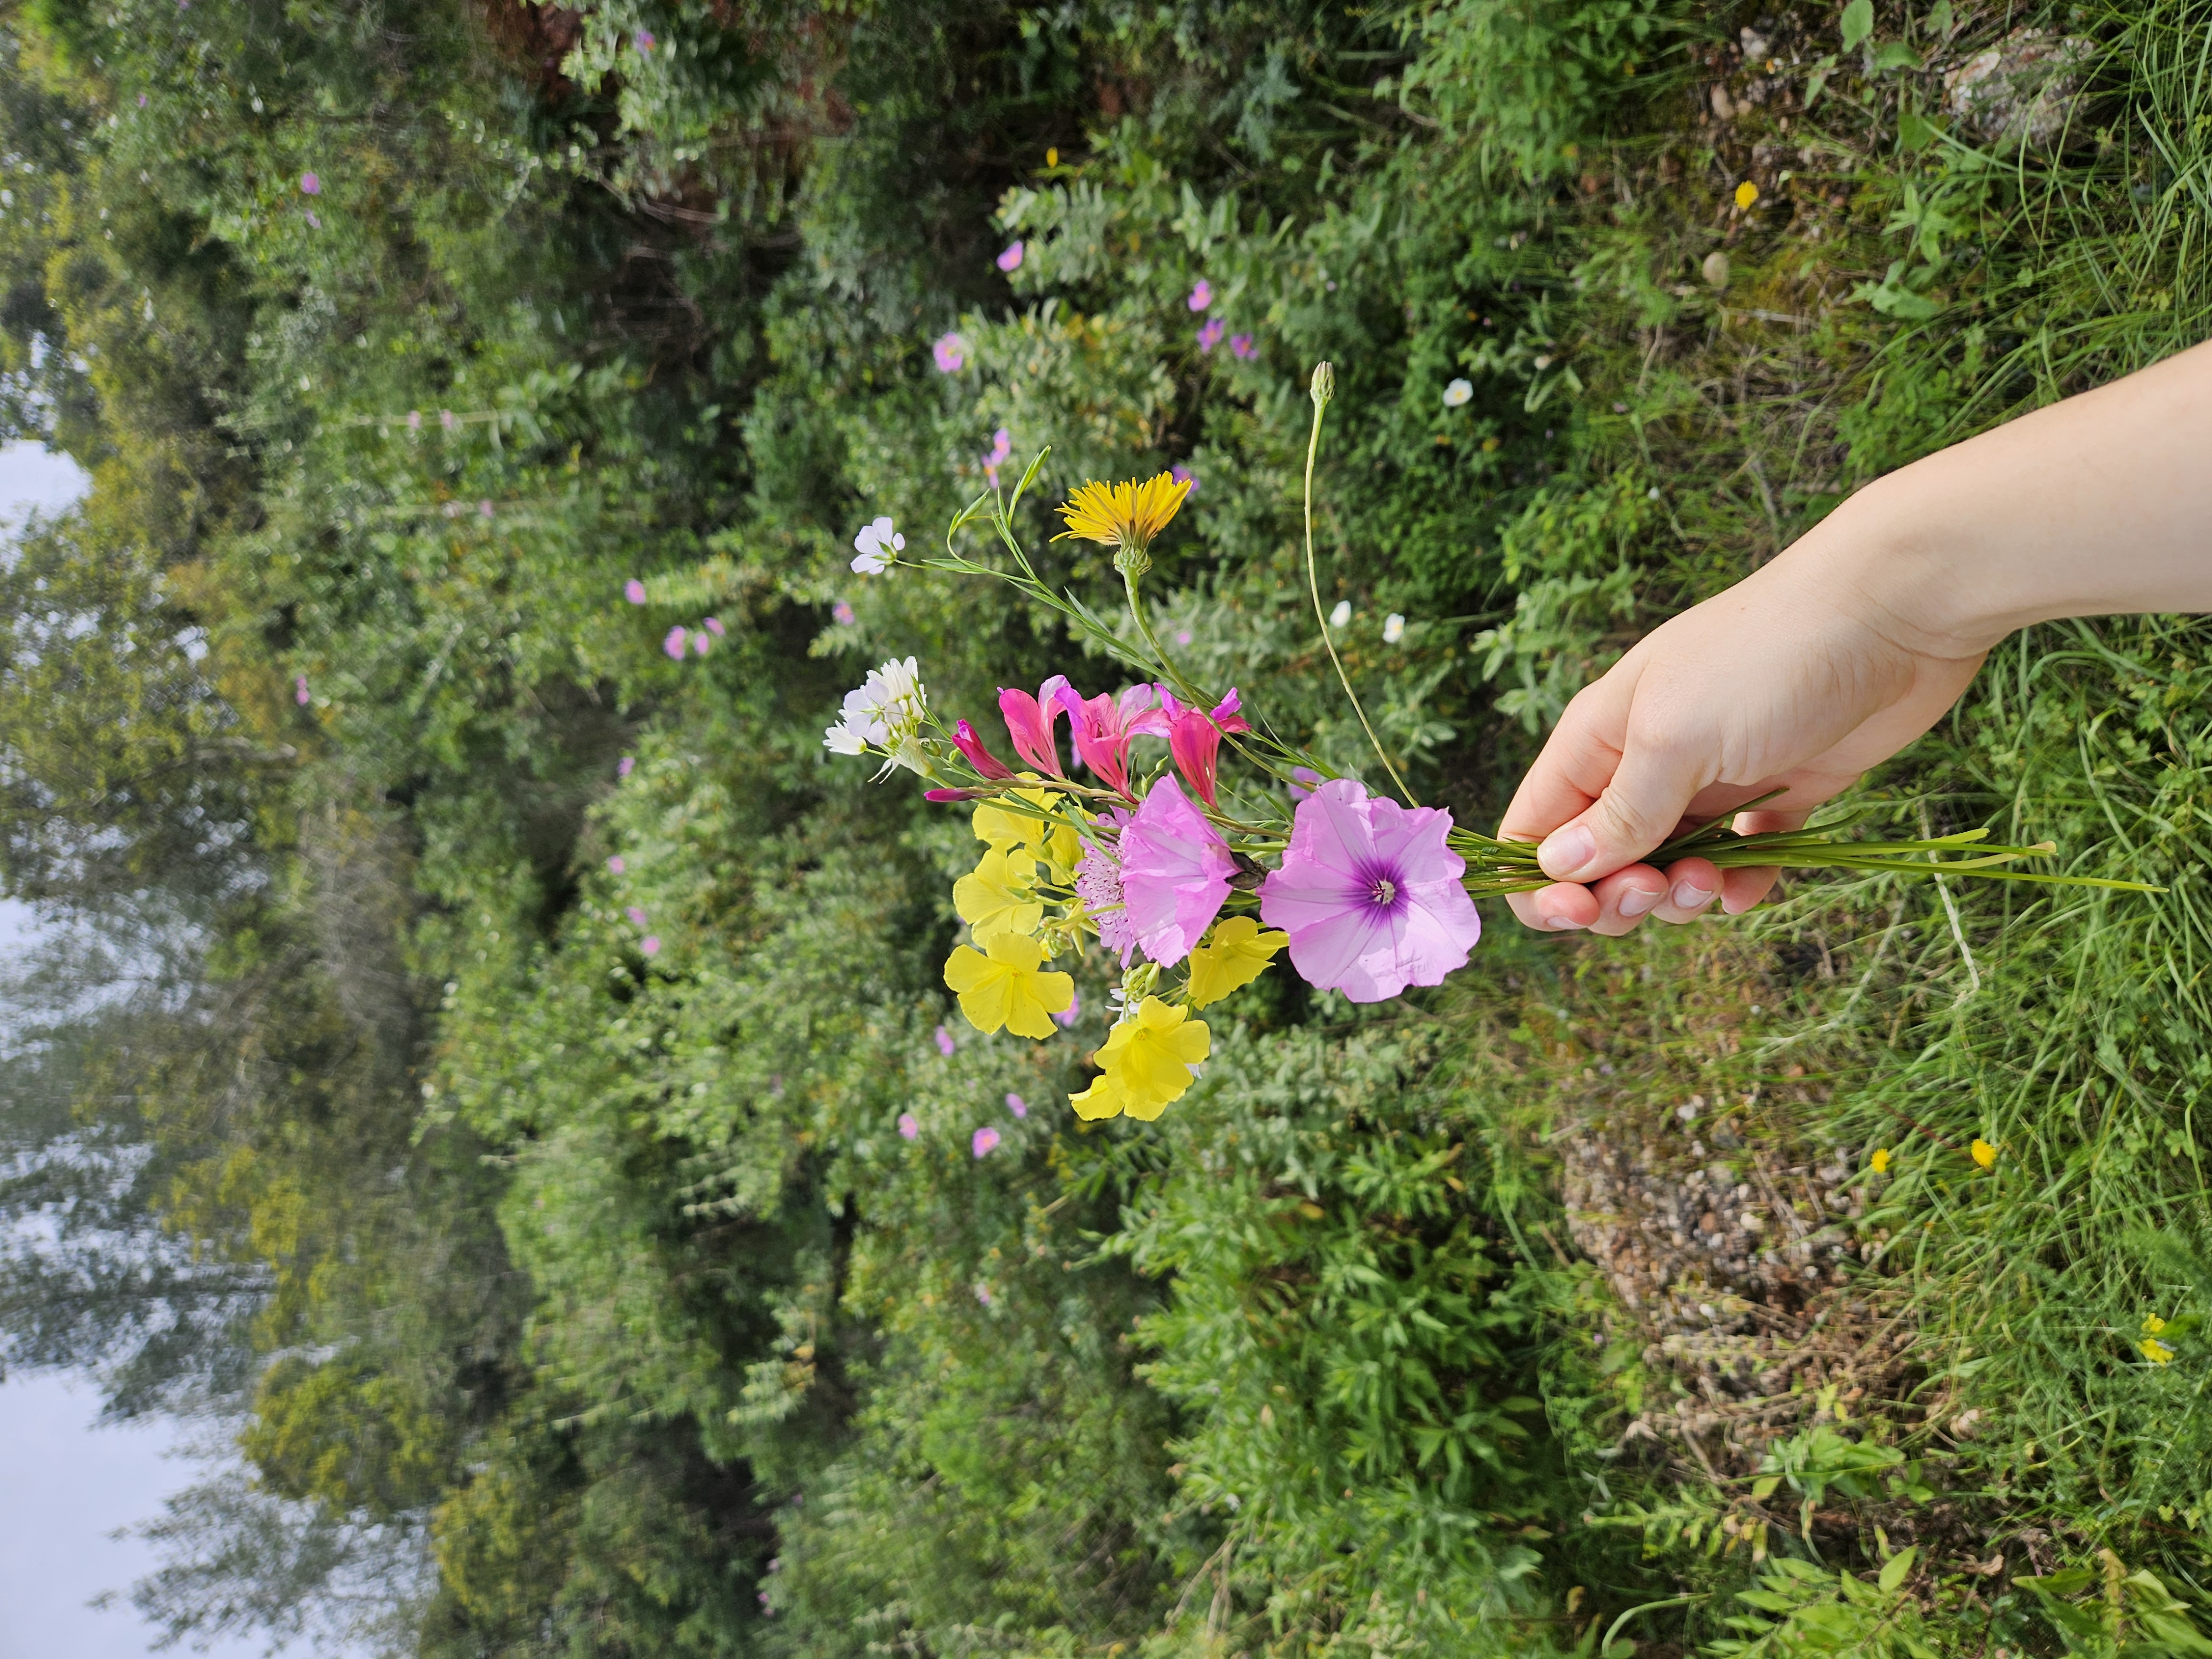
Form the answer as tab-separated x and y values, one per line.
650	945
1370	895
1194	738
1074	1011
984	1139
1098	885
300	689
1175	873
673	645
965	740
1011	260
1031	723
1202	296
945	1042
909	1128
841	614
1241	346
616	866
310	185
636	916
1209	334
1103	727
1183	475
1017	1105
622	766
951	353
634	591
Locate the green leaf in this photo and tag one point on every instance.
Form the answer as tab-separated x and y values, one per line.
1895	54
1894	1569
1858	24
1763	1488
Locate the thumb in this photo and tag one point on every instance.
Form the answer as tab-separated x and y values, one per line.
1638	808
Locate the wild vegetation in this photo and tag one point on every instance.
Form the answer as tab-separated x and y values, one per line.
469	1045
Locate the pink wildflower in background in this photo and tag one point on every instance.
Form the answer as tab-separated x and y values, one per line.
1017	1105
1074	1011
446	419
1370	895
634	591
673	645
1011	260
1175	873
650	946
945	1042
701	641
310	185
414	420
1002	445
624	767
636	916
1031	722
314	223
714	627
1098	885
616	864
1183	475
1103	727
300	689
1202	296
985	1139
909	1128
1304	781
951	353
983	1292
1184	636
646	40
841	614
1209	335
1241	345
483	509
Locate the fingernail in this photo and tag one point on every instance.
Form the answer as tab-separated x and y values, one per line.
1635	902
1565	852
1688	896
1560	924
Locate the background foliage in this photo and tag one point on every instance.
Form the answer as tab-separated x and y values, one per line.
469	1046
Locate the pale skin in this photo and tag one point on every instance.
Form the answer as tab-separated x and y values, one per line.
1839	652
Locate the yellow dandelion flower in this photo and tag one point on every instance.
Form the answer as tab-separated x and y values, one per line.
1880	1161
999	896
1007	987
1123	514
2156	1351
1746	193
1984	1153
1237	954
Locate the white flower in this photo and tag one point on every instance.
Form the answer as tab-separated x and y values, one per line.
1341	615
878	545
885	714
1458	393
1394	629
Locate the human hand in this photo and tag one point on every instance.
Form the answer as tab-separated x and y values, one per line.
1794	679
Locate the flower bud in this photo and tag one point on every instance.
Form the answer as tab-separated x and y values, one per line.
1324	385
1131	560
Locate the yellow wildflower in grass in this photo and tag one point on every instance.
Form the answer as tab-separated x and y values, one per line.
1147	1060
2152	1325
1880	1161
998	895
2156	1351
1124	515
1746	193
1007	987
1237	954
1984	1153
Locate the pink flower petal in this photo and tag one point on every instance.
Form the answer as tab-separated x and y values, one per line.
1175	873
984	1139
907	1127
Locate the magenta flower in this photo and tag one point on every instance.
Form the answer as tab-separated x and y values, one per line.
1195	739
645	40
1370	895
1175	873
1202	296
673	645
310	185
1074	1011
1011	260
965	740
625	765
714	627
1103	727
1031	722
841	614
984	1139
701	641
1002	445
1098	885
1017	1105
945	1042
1240	344
636	916
616	866
650	945
1209	334
1183	475
634	591
1184	636
941	795
951	352
1304	781
909	1129
300	689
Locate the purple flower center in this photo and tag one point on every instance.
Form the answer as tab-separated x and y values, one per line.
1380	888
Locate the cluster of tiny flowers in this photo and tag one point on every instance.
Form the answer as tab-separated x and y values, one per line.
885	715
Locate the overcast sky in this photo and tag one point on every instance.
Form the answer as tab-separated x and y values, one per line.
66	1486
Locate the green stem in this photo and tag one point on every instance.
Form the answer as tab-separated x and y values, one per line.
1313	586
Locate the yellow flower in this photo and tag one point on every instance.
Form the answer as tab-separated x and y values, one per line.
1148	1060
1007	989
999	896
2156	1351
1984	1154
1746	193
1123	514
1048	839
1103	1098
1237	954
1880	1160
2152	1325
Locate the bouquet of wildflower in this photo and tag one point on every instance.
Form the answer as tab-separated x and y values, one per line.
1192	881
